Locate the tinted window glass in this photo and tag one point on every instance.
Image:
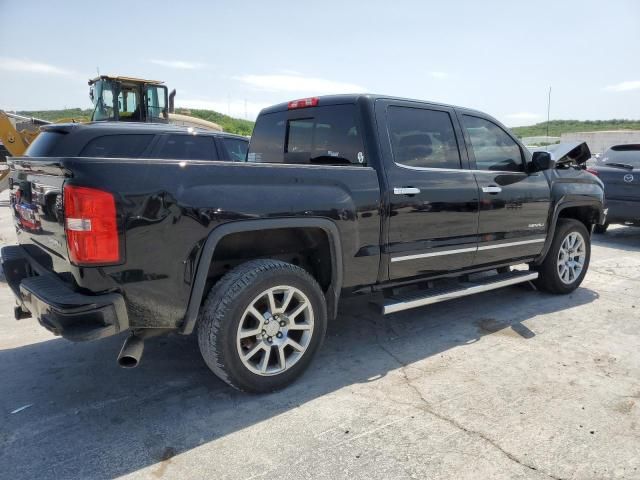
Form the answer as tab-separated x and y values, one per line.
123	146
300	138
189	147
320	135
44	144
236	148
267	139
493	148
423	138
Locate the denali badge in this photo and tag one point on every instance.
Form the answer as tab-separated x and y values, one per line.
536	225
628	178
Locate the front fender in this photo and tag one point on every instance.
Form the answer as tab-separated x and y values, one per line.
594	203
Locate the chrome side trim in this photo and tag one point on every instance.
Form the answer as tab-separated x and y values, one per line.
429	300
511	244
461	169
433	254
466	250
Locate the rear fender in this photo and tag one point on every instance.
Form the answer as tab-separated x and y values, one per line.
206	257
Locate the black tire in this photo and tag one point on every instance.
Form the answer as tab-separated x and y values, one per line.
223	310
600	228
549	277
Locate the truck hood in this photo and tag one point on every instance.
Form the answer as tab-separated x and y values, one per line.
568	152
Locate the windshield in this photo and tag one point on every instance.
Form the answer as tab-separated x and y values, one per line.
622	154
102	98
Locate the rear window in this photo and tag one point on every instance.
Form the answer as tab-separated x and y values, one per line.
189	147
626	154
117	146
320	135
44	144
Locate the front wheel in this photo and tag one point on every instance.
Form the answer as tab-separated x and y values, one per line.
567	260
262	324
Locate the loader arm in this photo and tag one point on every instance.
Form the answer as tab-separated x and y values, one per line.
16	142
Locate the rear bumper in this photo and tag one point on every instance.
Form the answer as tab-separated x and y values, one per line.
58	308
623	211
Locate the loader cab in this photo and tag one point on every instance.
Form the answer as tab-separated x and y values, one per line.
125	99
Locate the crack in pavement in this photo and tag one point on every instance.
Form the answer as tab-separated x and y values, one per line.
426	407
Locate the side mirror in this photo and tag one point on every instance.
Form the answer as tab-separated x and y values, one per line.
542	161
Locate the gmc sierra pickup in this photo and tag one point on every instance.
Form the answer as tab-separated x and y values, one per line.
340	195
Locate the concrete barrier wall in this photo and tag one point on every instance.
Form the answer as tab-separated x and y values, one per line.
598	142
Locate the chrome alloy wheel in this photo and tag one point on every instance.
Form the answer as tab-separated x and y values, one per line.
275	330
571	258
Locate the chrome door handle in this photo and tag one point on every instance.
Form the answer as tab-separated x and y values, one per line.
491	189
405	190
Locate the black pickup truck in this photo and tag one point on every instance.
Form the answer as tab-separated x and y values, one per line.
339	196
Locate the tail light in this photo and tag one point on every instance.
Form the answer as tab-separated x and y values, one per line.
91	226
592	170
303	103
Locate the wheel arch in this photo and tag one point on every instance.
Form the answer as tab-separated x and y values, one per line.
217	236
588	213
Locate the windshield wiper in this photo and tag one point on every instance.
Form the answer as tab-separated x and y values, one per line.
626	166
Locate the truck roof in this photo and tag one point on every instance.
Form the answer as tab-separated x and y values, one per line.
368	97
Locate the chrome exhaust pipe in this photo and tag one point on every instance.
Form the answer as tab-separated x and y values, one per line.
131	352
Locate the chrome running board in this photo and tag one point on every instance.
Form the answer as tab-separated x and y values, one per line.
398	303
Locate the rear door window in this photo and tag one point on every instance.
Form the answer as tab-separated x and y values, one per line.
423	138
327	135
188	147
117	146
236	149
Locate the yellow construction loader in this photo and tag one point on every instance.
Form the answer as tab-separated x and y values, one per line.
127	99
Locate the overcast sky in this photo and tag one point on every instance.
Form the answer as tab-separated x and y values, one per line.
239	56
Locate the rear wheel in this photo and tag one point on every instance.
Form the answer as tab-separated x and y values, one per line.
567	260
262	324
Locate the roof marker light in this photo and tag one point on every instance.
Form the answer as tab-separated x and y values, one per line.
303	103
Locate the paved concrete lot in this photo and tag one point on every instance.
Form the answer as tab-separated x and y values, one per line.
508	384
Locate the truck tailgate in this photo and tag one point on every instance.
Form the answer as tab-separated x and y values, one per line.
36	204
